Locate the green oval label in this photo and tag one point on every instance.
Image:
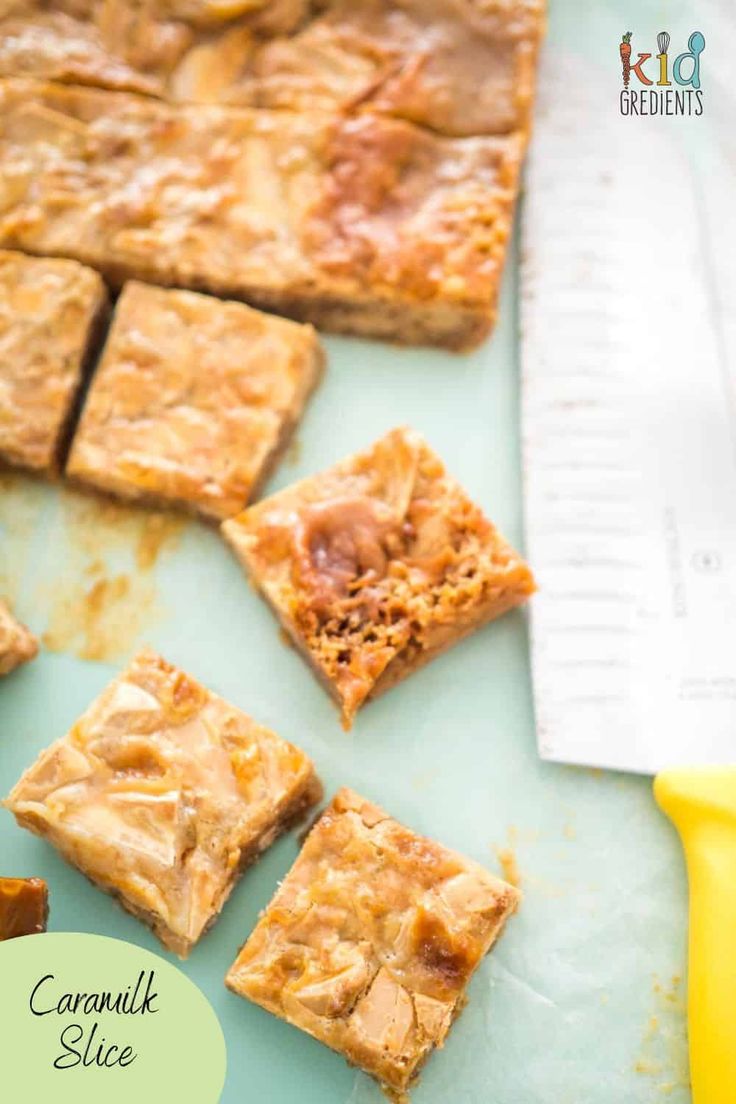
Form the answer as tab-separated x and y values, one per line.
88	1018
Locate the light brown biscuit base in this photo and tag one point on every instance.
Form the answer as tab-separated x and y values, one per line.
377	565
457	69
161	794
51	315
17	643
371	940
193	400
366	225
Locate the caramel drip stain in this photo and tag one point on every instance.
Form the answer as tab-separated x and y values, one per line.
663	1052
22	499
105	595
159	532
97	525
101	622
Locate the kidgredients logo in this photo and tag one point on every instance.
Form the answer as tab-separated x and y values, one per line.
666	84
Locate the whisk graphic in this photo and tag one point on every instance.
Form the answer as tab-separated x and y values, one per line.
663	43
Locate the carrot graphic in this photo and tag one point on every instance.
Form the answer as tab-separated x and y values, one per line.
625	51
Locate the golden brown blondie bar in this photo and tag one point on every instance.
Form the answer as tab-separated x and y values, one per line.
162	794
50	312
377	565
193	400
371	940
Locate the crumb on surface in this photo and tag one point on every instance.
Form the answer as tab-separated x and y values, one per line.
663	1049
509	865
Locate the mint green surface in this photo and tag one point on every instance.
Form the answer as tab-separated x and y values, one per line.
582	1001
155	1035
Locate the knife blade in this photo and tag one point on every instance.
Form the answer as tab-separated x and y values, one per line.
629	453
629	442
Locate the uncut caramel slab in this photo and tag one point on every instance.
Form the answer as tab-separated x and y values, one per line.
17	643
377	565
366	225
458	68
162	794
24	907
371	940
50	315
193	400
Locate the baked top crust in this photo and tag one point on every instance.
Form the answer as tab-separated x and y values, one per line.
459	68
378	562
24	907
48	308
372	938
161	793
287	210
126	46
17	643
63	41
192	399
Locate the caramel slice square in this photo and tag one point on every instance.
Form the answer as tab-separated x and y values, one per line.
17	643
24	907
49	311
162	794
377	565
193	400
371	940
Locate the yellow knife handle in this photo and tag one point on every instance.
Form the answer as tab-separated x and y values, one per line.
701	802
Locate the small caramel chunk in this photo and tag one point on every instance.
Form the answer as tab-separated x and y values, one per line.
24	907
